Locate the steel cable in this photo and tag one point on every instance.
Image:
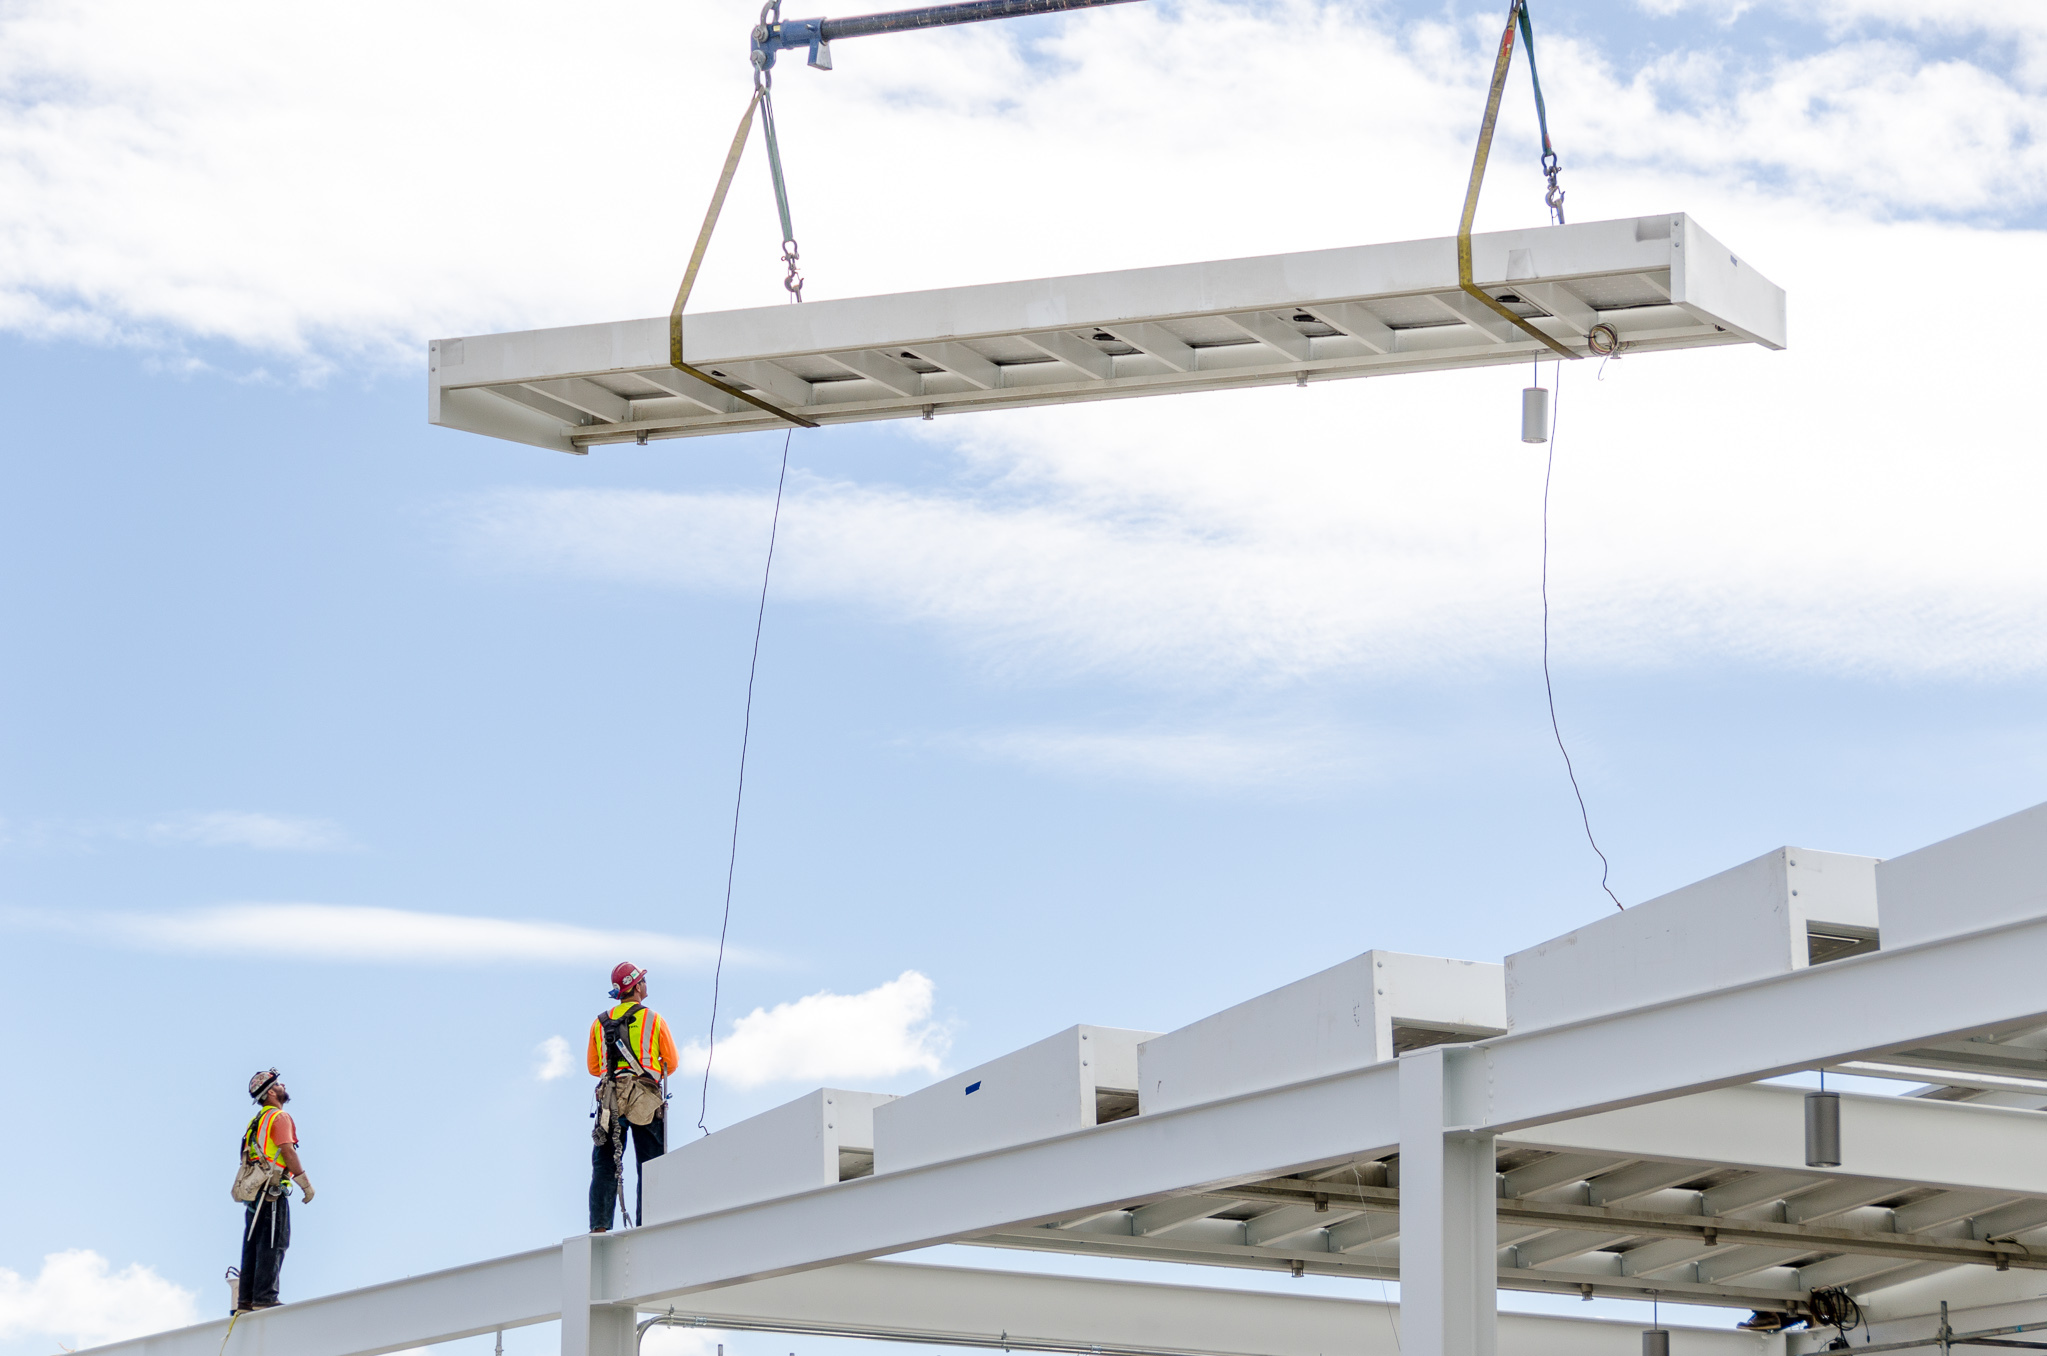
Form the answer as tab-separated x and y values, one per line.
1549	688
739	795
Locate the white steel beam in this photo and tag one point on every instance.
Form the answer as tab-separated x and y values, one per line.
591	1327
962	362
1448	1230
1174	1211
917	1302
1075	352
698	393
1273	333
778	383
1359	323
972	1306
1572	311
1663	283
1484	319
1557	1170
1958	1145
1160	343
883	370
508	1292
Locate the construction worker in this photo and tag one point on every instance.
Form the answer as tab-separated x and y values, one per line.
272	1141
632	1054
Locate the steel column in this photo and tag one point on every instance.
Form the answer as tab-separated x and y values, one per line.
1448	1231
590	1328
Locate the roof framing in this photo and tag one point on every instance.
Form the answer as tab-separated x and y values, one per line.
1659	282
1619	1154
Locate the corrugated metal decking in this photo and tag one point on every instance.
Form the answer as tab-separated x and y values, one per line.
1660	282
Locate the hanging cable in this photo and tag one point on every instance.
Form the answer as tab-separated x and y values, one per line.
1549	689
739	795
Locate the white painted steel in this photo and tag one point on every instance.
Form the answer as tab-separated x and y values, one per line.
1953	1145
934	1303
1993	874
1340	1018
1745	923
1660	282
591	1327
1047	1088
1448	1227
798	1146
1602	1074
506	1292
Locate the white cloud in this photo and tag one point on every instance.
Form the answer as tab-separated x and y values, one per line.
1857	504
212	828
342	932
240	828
226	170
80	1300
551	1059
832	1038
1211	758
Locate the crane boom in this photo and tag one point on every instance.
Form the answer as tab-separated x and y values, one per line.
819	34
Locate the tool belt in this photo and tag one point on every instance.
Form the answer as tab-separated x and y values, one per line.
256	1178
257	1174
633	1098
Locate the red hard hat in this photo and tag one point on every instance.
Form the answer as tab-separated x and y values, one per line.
625	974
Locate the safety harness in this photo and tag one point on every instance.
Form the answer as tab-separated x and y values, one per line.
618	1042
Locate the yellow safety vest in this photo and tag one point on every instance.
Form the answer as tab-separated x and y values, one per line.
256	1140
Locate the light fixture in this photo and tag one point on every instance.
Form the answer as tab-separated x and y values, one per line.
1823	1127
1656	1338
1534	414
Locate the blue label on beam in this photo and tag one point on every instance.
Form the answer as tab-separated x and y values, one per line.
973	1088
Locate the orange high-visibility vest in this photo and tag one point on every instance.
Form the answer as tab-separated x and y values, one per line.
259	1140
646	1035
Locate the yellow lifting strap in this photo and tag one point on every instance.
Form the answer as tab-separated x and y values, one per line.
1478	162
696	262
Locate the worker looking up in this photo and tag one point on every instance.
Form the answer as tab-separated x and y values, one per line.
270	1163
632	1054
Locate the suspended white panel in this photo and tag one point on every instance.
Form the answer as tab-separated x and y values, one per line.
1659	282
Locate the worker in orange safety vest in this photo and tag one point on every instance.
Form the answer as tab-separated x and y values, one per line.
271	1139
632	1052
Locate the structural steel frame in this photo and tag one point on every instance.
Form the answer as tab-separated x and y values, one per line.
1658	282
1634	1088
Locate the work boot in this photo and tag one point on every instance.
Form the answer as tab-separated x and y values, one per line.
1763	1320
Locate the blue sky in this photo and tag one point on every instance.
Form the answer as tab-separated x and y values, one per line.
339	742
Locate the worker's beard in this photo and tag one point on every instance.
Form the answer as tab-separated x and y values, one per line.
282	1098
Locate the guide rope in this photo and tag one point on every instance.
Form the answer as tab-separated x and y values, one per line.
1516	16
1549	689
739	796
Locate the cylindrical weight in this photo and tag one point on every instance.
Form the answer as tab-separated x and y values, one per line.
1656	1342
1535	414
1823	1129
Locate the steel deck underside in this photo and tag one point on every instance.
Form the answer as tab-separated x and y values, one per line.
1660	282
